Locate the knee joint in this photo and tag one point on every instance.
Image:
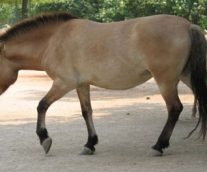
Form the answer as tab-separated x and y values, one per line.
175	111
42	107
178	108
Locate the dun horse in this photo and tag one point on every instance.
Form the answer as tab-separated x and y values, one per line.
77	53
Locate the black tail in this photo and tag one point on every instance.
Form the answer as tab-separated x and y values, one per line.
197	65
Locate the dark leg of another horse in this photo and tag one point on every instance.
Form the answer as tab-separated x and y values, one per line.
84	97
174	108
56	92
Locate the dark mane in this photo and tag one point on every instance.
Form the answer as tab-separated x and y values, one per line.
35	22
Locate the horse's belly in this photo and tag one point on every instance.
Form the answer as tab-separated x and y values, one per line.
122	81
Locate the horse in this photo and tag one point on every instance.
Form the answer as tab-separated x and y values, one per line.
77	53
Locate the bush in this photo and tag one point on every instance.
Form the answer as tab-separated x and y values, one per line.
110	10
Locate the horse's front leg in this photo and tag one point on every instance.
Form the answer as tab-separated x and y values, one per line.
58	90
84	97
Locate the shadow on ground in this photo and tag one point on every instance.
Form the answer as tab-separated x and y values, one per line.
126	135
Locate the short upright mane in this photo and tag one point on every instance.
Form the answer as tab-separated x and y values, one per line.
35	22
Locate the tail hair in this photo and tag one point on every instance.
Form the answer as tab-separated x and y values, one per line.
197	64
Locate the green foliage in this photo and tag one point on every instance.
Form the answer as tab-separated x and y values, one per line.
193	10
5	12
40	8
108	10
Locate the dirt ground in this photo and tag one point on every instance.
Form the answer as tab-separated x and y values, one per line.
128	124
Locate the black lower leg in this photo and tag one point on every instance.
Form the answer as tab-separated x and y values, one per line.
92	141
42	133
41	130
161	144
163	140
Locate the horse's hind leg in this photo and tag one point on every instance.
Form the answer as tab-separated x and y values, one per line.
84	97
174	107
57	91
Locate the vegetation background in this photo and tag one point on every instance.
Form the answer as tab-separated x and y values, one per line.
11	11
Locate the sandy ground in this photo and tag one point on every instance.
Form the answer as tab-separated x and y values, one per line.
128	124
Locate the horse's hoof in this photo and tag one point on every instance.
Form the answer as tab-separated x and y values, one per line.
154	152
46	144
87	151
157	151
